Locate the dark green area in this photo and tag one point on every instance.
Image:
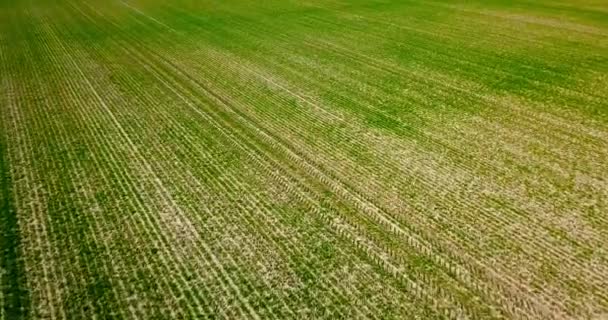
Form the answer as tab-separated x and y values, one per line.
13	281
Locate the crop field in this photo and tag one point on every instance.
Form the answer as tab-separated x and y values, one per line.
307	159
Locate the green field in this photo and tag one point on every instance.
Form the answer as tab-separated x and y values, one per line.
310	159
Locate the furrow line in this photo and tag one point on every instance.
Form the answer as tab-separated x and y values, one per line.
91	205
326	180
121	131
169	161
169	86
31	200
452	199
65	224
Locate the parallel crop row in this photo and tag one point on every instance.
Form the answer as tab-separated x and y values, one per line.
278	160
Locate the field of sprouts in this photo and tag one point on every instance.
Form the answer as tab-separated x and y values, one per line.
318	159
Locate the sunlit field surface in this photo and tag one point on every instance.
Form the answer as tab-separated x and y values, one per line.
312	159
